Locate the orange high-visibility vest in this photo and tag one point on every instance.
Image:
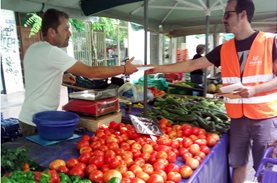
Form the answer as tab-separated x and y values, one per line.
258	69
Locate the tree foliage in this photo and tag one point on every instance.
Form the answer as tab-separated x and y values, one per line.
113	28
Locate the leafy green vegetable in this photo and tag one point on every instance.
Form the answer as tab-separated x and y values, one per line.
13	159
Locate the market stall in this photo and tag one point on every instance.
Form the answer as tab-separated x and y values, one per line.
214	167
214	163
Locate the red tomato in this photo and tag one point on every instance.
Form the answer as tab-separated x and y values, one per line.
122	168
81	166
195	130
96	176
201	154
71	162
105	168
96	145
161	173
62	169
137	180
187	132
198	158
125	146
129	174
202	131
215	136
174	176
171	157
175	144
135	169
98	153
164	123
90	168
205	149
193	163
163	148
171	167
108	156
125	180
164	141
211	141
183	150
129	161
187	142
147	148
85	137
85	149
75	171
193	137
97	160
186	171
142	175
54	176
114	162
148	168
82	143
139	161
85	157
146	156
158	166
186	155
110	174
155	178
200	142
186	125
194	149
114	125
161	155
55	164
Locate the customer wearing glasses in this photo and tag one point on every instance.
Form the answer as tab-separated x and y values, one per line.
250	58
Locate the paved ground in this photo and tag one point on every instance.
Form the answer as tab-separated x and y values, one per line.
11	105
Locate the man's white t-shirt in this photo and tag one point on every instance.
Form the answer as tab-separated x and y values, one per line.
44	65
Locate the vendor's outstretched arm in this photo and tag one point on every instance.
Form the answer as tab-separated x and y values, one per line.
101	71
185	66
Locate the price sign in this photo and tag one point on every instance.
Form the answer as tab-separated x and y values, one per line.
146	126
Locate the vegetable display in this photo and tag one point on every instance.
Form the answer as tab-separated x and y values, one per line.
201	112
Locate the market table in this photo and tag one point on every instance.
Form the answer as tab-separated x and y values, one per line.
214	167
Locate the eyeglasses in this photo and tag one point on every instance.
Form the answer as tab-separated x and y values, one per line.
227	14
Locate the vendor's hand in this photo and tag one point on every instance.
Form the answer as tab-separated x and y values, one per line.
69	78
129	67
246	92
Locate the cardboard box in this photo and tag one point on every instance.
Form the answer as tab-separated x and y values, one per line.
92	123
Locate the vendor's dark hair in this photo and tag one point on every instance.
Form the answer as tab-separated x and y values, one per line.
248	6
51	19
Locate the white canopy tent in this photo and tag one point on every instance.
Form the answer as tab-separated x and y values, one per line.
173	17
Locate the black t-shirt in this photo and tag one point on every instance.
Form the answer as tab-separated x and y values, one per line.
198	71
242	47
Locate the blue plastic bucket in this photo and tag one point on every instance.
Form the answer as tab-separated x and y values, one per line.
56	125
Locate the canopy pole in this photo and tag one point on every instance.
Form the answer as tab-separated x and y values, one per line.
145	55
207	44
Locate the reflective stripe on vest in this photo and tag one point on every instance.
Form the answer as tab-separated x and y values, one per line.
248	79
258	69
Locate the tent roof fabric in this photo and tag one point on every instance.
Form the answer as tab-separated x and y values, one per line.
172	17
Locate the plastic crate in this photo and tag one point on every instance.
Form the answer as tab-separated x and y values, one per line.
268	174
10	129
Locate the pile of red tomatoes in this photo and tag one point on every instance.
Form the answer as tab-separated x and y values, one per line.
118	151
